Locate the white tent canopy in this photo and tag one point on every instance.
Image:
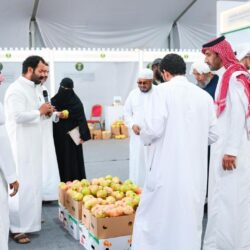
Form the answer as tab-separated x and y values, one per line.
107	24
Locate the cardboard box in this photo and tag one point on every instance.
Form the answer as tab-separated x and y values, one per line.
73	227
106	135
83	236
118	243
67	201
86	217
75	209
61	196
97	135
66	219
91	133
115	131
61	213
124	130
110	227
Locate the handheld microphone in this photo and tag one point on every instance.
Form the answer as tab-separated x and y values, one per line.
45	95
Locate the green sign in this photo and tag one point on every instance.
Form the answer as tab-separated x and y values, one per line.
79	66
8	55
102	55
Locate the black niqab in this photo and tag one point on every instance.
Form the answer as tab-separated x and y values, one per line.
69	155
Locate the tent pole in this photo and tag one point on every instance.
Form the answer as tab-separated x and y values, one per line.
32	34
184	11
174	25
32	28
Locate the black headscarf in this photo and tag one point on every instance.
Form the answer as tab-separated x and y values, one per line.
67	83
66	99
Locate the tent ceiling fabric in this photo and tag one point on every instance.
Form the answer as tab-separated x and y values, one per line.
14	19
107	24
198	25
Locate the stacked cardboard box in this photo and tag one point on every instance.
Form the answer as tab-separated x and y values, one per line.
119	130
97	134
106	135
117	243
109	231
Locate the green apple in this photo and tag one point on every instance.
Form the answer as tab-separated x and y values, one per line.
102	194
63	186
128	201
128	182
111	199
136	200
125	187
130	193
118	195
85	191
94	189
88	197
77	196
85	183
90	203
109	177
116	186
108	189
94	181
116	179
104	183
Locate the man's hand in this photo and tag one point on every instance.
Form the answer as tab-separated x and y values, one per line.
15	187
136	129
229	162
81	141
46	109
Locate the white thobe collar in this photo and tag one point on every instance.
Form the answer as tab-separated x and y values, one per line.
177	79
26	81
220	72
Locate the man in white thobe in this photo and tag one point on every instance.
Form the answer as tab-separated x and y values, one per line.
134	109
7	176
228	226
179	123
23	123
50	167
243	54
204	77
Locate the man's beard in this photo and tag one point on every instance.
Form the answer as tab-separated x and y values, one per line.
36	79
145	90
158	76
203	84
214	67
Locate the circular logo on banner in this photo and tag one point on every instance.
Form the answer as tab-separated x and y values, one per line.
79	66
186	56
1	66
8	55
102	55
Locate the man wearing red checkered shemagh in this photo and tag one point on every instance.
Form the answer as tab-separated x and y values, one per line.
228	226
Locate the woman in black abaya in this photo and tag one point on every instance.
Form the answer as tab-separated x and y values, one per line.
69	155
